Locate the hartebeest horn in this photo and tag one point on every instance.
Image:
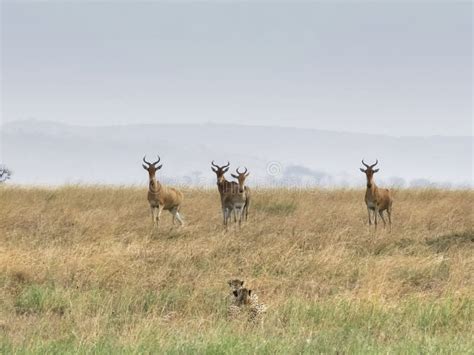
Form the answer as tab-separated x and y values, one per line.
364	163
156	162
144	160
238	172
220	167
376	161
150	164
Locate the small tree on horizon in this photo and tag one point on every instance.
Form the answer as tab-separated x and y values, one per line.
5	173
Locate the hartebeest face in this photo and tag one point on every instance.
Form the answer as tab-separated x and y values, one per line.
369	172
220	171
241	179
151	167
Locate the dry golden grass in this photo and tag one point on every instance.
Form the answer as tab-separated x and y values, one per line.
82	270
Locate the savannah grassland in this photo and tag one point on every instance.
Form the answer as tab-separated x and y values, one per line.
82	271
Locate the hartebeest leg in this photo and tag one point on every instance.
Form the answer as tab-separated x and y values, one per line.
383	219
176	216
158	214
230	212
226	215
239	215
389	214
375	217
180	220
241	210
153	215
368	212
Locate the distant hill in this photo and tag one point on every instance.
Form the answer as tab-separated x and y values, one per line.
41	152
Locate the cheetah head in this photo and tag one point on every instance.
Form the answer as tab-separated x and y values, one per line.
242	296
235	284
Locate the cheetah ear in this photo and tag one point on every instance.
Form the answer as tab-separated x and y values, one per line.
241	283
229	282
235	293
250	291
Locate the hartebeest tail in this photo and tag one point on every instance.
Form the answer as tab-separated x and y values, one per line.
161	197
376	199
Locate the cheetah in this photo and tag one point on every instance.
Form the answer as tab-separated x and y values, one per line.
235	284
246	302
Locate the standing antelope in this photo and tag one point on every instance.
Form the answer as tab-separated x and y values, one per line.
377	199
236	201
225	187
241	178
161	197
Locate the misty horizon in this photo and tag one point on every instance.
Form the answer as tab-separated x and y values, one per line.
213	123
56	153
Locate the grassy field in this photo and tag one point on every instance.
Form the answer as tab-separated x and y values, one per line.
81	270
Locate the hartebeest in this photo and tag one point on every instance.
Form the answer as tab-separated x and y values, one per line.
241	182
376	199
161	197
228	187
223	186
236	202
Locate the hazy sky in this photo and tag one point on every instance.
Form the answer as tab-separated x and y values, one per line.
393	68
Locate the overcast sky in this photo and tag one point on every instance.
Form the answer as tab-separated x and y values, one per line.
393	68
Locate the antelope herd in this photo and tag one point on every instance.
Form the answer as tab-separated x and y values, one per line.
235	195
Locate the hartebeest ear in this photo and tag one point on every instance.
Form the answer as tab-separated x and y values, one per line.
375	170
159	167
234	176
214	170
362	170
235	293
226	170
144	167
247	174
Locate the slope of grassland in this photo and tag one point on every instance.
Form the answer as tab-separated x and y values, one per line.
81	270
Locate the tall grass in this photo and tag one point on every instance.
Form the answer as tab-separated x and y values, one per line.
82	270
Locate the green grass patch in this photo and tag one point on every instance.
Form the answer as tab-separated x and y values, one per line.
355	327
34	299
